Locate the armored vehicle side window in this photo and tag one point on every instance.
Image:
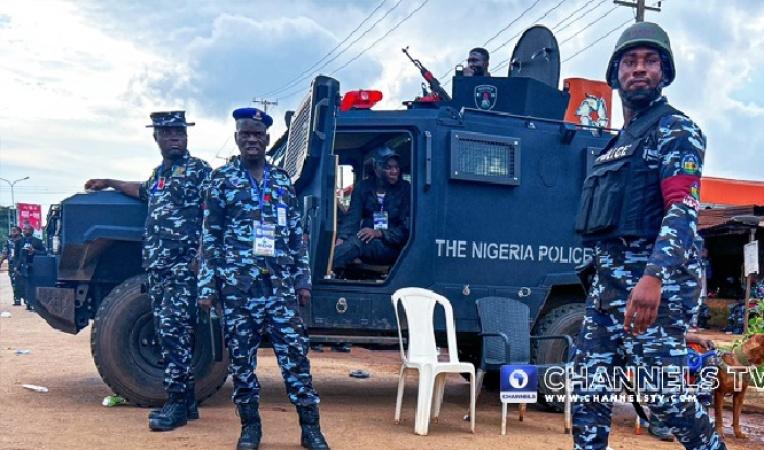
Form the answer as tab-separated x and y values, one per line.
373	200
484	157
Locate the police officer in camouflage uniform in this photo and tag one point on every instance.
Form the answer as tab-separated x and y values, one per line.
255	264
9	253
639	211
174	194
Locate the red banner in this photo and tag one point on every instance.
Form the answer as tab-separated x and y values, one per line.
28	213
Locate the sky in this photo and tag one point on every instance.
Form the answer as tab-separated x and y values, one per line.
78	79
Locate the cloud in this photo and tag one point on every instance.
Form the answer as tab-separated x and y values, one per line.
80	80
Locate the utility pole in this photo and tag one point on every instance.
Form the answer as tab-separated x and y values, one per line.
265	102
11	184
640	6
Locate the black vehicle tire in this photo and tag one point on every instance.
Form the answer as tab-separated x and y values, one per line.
562	320
123	346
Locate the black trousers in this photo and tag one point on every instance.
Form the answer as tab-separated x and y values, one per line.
375	252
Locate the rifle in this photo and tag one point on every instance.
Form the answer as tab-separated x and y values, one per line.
435	86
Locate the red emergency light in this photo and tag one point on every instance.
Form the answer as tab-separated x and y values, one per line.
362	99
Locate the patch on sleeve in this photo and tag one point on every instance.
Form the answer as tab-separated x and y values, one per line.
690	165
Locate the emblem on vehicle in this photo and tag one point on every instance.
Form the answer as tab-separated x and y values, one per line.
485	96
342	305
592	111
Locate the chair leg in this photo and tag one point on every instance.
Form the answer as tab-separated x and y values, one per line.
399	400
424	401
478	388
503	418
437	397
473	398
521	411
567	418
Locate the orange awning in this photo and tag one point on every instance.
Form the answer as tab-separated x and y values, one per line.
724	191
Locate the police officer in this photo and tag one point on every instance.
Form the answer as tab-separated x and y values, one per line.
174	193
24	252
377	224
9	253
639	209
254	263
477	63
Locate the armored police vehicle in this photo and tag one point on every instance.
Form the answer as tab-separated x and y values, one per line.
495	179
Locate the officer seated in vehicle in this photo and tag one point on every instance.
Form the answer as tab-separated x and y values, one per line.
377	225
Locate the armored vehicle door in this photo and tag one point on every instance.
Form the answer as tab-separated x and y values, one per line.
311	165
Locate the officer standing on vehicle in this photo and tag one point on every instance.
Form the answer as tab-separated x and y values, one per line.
255	264
639	210
9	253
24	252
477	63
174	194
376	227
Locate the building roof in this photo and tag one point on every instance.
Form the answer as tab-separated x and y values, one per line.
728	192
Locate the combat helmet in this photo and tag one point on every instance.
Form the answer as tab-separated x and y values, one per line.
642	34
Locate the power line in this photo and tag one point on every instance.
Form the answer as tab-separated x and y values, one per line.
504	62
363	22
504	44
511	23
378	40
579	17
598	40
310	74
586	27
405	19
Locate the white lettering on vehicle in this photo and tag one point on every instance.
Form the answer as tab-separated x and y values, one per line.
504	251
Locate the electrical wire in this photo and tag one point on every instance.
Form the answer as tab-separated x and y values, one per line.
579	17
597	40
504	44
401	22
362	52
300	79
586	27
363	22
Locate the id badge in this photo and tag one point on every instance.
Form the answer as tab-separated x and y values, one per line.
380	220
281	212
265	240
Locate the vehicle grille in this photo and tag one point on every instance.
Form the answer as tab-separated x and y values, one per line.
297	141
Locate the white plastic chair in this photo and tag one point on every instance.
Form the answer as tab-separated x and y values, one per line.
422	355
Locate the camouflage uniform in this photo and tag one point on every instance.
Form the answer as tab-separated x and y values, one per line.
170	244
9	253
257	293
673	150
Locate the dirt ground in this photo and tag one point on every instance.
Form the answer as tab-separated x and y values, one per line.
356	414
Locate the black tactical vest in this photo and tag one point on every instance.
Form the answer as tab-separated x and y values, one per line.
622	195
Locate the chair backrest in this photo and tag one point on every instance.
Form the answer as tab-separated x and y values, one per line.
508	316
419	305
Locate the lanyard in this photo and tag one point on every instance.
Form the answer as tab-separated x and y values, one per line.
256	192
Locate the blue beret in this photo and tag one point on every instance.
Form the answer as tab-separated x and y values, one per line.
254	114
169	119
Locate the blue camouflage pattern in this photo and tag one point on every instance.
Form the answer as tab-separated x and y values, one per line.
675	148
9	254
258	294
170	246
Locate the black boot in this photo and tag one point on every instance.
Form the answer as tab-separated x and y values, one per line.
311	429
192	410
251	427
172	415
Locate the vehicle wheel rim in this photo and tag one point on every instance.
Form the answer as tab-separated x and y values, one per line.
144	344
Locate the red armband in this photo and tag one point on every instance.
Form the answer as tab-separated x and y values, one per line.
681	189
